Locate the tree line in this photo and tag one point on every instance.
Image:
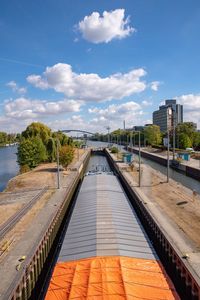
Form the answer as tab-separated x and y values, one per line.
186	136
8	138
39	144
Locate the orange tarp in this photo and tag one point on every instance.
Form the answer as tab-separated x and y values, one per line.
110	278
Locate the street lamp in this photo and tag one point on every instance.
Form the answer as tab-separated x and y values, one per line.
167	154
58	167
139	155
169	112
108	128
173	118
139	162
131	139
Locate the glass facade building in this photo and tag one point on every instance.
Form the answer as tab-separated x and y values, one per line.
168	115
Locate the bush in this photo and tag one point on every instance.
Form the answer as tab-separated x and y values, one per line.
24	169
31	152
114	150
66	155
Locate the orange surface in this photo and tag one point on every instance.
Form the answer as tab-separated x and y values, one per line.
113	278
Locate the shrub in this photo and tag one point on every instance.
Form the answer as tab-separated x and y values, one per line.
24	169
114	150
66	155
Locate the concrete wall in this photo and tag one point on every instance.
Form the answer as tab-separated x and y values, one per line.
189	171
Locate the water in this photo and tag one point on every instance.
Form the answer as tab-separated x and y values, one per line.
8	165
181	178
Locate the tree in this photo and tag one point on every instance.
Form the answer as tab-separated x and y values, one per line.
186	129
66	154
31	152
196	140
3	138
37	129
51	149
184	141
153	135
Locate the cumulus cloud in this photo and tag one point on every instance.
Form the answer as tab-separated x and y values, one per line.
117	111
147	103
115	114
15	88
24	108
102	29
190	101
155	85
89	87
191	107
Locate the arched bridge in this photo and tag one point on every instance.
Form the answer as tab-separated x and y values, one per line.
77	130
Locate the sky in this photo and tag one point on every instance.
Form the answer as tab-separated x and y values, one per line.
92	64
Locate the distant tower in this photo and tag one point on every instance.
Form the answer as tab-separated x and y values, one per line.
108	128
124	125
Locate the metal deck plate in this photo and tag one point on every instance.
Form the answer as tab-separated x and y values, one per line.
104	224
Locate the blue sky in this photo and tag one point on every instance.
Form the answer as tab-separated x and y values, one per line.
90	64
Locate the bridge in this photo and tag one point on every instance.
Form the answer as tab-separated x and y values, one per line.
77	130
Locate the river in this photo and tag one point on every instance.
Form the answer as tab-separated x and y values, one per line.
8	165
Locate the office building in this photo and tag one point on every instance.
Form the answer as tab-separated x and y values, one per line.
168	115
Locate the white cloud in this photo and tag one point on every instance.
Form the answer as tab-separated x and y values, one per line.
114	115
117	111
190	101
15	88
24	108
155	85
89	87
112	25
191	107
146	103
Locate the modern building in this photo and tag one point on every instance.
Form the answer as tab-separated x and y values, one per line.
168	115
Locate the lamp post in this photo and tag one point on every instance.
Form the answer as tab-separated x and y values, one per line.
167	154
169	112
131	139
58	167
139	161
108	128
173	118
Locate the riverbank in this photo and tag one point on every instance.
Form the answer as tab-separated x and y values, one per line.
23	187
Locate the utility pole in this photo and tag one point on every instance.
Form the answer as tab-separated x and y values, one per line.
167	154
58	167
139	162
174	128
108	128
131	139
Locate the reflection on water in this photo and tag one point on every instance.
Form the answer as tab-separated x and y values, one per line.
8	165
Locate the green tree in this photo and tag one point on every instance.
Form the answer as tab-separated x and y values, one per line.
31	152
196	139
37	129
153	135
3	138
186	129
184	141
66	154
51	149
